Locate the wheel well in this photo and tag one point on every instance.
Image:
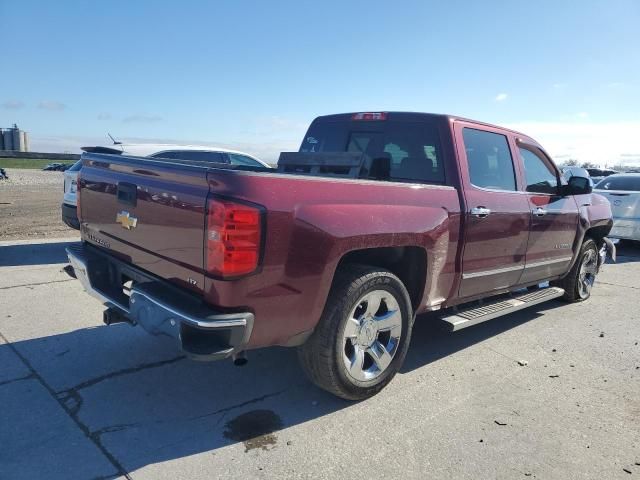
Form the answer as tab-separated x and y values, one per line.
598	233
409	264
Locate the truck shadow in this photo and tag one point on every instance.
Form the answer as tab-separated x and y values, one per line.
430	341
138	398
33	254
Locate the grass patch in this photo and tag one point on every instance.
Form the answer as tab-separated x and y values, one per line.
34	163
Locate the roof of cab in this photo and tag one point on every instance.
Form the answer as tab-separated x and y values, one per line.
415	116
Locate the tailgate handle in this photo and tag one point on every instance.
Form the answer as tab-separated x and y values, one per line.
127	193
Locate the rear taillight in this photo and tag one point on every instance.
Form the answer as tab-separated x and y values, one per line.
233	238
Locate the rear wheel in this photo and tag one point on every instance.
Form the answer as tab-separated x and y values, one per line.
579	281
363	335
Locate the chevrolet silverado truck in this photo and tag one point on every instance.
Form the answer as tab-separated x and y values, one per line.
378	217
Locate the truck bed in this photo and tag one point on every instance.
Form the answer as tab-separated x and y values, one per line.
310	224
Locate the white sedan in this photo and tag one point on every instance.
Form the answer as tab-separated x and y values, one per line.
623	192
183	152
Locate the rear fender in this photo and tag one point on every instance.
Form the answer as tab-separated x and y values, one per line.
335	230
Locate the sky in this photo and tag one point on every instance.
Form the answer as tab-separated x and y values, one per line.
253	74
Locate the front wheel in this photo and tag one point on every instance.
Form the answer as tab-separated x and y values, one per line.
580	279
363	335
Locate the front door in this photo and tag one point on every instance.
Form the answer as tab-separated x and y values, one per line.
498	215
554	218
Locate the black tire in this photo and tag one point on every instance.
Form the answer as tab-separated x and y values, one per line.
324	354
572	282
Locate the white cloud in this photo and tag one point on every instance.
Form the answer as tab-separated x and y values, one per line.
13	105
501	97
582	115
51	105
142	119
602	143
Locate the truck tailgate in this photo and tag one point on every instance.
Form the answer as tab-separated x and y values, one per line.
150	213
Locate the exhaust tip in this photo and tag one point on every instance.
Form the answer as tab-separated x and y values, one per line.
111	316
239	359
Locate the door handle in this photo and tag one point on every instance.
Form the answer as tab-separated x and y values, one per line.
539	212
480	212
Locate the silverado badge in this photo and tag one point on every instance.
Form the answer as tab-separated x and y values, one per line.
126	220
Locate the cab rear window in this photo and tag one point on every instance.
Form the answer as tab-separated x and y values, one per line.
413	149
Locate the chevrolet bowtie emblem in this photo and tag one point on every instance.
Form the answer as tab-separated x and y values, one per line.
126	220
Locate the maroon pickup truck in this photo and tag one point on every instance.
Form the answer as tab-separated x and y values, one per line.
379	217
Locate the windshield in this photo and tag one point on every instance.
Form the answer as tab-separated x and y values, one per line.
624	182
412	148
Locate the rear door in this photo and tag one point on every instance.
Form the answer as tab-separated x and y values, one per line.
498	215
554	218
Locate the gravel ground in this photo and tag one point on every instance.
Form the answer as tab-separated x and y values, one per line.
30	205
20	176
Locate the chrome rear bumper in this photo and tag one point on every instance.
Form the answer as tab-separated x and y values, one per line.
160	308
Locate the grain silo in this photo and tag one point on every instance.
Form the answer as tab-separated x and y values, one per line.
8	139
14	139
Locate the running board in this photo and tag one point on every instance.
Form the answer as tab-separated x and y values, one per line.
465	317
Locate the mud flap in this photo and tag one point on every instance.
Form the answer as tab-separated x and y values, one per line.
608	249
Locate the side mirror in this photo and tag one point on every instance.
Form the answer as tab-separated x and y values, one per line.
578	186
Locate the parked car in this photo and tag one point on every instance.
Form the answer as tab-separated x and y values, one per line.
68	207
598	174
380	216
187	152
57	167
623	191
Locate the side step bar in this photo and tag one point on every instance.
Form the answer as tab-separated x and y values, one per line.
465	317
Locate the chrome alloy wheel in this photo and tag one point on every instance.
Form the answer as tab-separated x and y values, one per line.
587	274
371	335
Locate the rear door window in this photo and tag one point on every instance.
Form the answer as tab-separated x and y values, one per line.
413	149
237	159
489	160
196	155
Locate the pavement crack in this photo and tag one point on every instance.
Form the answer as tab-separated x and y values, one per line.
241	404
617	285
73	414
118	373
111	429
20	379
36	284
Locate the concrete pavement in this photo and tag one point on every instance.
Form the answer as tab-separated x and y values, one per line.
82	400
